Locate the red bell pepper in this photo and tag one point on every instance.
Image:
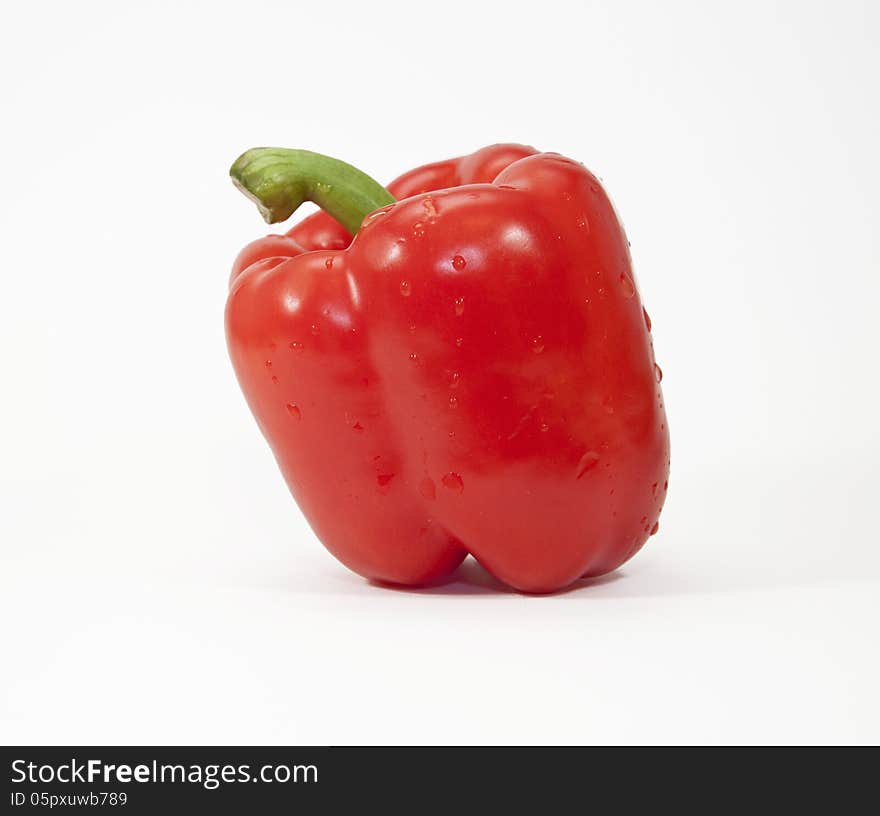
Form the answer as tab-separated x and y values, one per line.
472	373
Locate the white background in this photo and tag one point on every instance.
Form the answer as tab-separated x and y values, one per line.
159	584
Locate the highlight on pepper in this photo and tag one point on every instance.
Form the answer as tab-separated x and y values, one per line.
459	363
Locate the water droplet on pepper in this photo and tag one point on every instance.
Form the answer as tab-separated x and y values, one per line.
588	462
453	482
430	208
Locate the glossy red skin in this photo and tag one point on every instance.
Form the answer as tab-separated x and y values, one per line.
474	374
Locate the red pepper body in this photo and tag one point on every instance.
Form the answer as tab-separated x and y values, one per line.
473	373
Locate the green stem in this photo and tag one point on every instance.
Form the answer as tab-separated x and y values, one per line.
278	180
